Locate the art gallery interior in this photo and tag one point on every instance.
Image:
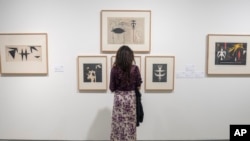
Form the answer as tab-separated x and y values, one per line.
51	107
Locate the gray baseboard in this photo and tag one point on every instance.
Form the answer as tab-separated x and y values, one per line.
108	140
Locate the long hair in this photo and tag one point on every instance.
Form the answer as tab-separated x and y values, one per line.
124	59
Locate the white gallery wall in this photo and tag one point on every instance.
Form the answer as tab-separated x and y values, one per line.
51	107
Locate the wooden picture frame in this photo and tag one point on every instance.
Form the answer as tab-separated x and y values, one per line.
159	73
137	61
24	53
92	73
126	27
227	54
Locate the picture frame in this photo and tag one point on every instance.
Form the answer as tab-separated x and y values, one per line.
227	54
137	61
159	73
126	27
92	73
24	53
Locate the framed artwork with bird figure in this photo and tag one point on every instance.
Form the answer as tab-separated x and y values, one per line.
228	54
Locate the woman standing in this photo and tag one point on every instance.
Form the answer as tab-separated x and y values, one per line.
124	79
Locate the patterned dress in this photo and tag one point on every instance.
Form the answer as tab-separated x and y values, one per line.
123	126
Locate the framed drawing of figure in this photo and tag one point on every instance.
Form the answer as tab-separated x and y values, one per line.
159	73
228	54
92	73
24	53
125	27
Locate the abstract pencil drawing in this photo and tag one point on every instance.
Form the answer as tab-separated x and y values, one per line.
92	72
228	53
21	53
159	73
126	30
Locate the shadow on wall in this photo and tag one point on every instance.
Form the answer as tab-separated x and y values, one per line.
101	127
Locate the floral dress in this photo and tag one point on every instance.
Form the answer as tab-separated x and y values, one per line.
123	126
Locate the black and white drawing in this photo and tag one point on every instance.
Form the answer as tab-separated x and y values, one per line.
126	30
130	27
23	53
159	73
92	73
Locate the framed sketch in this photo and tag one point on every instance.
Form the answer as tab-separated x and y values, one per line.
227	54
159	73
92	73
24	53
137	61
126	27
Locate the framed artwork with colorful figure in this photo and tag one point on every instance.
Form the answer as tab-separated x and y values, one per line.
228	54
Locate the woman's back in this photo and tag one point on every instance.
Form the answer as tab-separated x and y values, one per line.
119	81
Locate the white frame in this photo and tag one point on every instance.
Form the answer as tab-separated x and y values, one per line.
159	86
96	86
23	40
143	45
212	68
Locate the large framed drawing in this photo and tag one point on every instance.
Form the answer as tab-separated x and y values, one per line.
92	73
228	54
125	27
137	61
159	73
24	53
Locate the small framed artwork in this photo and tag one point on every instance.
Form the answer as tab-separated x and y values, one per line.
159	73
227	54
92	73
126	27
137	61
24	53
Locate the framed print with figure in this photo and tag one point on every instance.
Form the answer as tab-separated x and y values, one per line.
159	73
137	61
228	54
126	27
92	73
24	53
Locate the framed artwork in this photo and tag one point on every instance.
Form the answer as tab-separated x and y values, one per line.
137	61
227	54
24	53
159	73
92	72
126	27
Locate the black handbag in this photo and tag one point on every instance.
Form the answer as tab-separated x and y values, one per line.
139	108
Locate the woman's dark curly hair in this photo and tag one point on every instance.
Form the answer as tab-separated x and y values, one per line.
124	59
